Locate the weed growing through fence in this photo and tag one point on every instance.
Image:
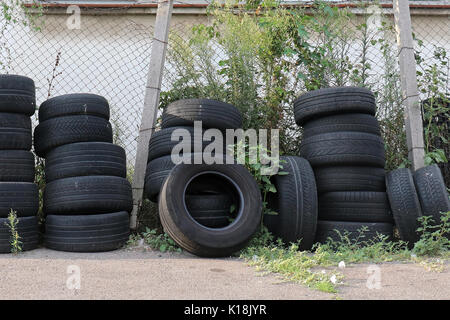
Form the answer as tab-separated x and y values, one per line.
11	223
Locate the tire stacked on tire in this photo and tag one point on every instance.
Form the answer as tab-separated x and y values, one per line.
18	192
87	198
209	209
342	142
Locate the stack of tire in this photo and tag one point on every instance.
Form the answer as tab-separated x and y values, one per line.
209	209
342	142
18	192
87	197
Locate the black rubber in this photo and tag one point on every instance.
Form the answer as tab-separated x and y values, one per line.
89	233
27	228
432	192
362	206
198	239
22	197
344	149
329	101
345	178
17	94
74	104
16	165
327	229
161	143
212	113
15	131
87	195
85	159
295	202
404	203
157	171
71	129
210	210
358	122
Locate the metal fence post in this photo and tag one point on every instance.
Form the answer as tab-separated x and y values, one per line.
410	92
152	93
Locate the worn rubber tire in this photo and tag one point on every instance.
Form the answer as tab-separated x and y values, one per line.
16	166
27	228
85	159
344	149
157	171
74	104
212	211
358	122
212	114
362	206
329	101
71	129
89	233
200	240
17	94
404	203
15	131
345	178
87	195
327	229
295	202
161	144
432	192
22	197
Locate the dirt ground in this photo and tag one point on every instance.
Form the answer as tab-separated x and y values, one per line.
135	274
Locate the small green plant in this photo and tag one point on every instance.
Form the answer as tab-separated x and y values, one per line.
158	241
434	240
307	267
11	223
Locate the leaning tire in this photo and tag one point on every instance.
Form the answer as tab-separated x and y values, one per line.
212	114
16	166
344	149
71	129
27	229
362	206
404	203
432	192
347	178
198	239
358	122
330	101
17	95
15	131
74	104
295	202
22	197
91	233
87	195
85	159
336	229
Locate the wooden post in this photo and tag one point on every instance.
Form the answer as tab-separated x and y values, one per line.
152	93
410	92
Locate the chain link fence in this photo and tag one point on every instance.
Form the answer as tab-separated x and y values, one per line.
109	55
